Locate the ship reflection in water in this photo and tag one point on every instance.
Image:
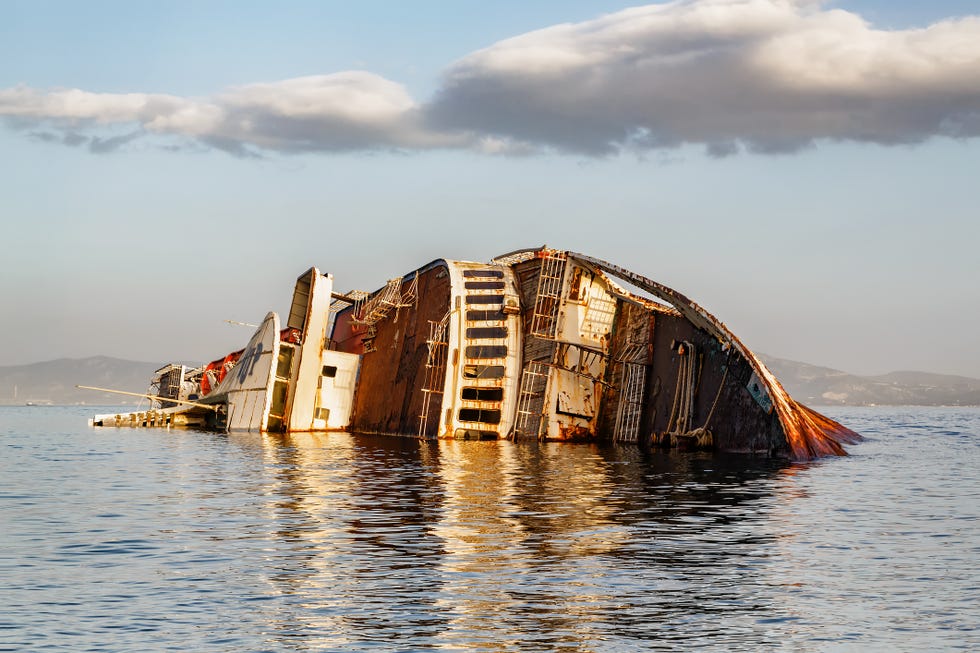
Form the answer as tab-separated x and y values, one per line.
493	544
133	540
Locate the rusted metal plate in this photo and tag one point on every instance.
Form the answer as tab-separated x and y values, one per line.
389	395
804	432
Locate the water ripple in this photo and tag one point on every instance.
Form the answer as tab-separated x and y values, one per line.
120	540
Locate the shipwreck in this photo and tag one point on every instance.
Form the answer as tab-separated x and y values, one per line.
536	344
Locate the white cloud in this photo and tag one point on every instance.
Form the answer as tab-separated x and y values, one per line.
769	75
74	105
343	111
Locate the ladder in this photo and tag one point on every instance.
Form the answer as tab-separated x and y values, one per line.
375	309
530	400
630	410
435	368
551	278
337	305
367	340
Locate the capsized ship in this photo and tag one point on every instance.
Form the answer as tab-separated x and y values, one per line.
536	344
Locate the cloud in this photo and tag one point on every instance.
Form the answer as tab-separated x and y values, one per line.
768	75
764	75
344	111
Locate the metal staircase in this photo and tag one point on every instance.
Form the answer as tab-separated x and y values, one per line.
376	308
530	401
544	321
630	411
435	369
368	311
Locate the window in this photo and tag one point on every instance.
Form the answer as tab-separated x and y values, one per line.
330	370
483	394
484	316
492	274
285	362
486	332
484	285
483	371
486	351
479	415
484	299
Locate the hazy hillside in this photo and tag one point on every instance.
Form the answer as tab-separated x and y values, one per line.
821	385
54	382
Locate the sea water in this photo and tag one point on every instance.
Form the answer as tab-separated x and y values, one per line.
157	540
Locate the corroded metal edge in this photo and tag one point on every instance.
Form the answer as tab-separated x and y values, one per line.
809	434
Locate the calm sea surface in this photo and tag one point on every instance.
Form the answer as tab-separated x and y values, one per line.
154	540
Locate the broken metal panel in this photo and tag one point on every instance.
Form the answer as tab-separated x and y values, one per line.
575	394
572	396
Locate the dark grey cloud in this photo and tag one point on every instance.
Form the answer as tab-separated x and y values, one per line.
770	76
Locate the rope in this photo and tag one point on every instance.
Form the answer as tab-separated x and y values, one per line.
721	387
682	409
703	436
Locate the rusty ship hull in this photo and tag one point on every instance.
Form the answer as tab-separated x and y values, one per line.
538	344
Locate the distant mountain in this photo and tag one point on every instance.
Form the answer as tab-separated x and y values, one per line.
815	385
54	382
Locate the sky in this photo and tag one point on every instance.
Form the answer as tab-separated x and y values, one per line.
807	171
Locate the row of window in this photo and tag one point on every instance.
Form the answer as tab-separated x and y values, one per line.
478	371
